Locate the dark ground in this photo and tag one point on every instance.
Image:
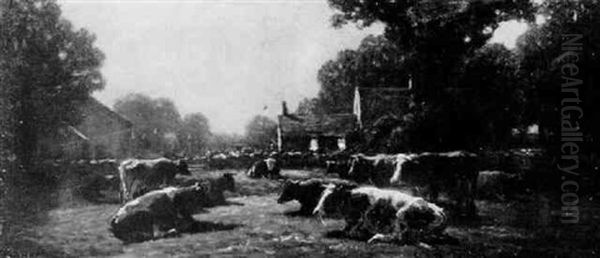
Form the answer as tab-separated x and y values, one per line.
254	225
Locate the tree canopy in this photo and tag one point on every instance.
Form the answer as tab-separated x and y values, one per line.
194	133
542	57
375	63
47	69
153	119
435	35
261	132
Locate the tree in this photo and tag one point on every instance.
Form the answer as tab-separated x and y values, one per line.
47	69
153	120
442	45
542	57
194	133
376	63
435	35
261	131
308	106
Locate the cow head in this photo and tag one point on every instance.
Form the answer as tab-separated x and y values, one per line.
182	167
402	161
290	188
270	162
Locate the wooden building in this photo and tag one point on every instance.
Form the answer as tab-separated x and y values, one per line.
101	134
314	132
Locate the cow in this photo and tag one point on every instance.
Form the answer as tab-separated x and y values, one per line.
214	187
156	214
139	176
307	193
267	168
368	210
454	173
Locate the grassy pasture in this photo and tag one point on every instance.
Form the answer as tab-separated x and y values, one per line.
254	225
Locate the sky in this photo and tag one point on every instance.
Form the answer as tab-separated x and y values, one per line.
229	59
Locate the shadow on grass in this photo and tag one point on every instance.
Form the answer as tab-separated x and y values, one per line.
207	226
431	239
298	213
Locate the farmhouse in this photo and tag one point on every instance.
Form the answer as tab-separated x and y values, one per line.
325	132
331	132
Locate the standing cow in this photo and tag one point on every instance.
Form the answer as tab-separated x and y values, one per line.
454	173
139	176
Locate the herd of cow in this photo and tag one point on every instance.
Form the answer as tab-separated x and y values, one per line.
157	204
381	197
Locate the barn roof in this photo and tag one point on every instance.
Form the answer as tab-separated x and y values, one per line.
321	125
93	106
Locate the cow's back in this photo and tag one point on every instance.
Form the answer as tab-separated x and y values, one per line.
140	176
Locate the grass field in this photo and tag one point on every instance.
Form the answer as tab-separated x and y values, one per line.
254	225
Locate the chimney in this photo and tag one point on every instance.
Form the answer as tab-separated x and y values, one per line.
284	110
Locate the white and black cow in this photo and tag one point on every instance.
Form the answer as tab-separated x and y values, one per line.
267	168
307	192
381	214
139	176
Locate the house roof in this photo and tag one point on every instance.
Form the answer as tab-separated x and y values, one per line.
322	125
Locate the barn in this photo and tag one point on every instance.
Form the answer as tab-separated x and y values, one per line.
101	134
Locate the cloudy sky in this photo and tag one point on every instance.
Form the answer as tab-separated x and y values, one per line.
229	60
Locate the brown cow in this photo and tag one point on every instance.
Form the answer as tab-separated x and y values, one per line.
139	176
157	214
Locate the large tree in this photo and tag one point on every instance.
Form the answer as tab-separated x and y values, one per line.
47	69
435	35
542	59
442	48
155	122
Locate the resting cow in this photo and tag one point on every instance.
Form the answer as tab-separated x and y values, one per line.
157	214
139	176
267	168
307	192
367	211
213	186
